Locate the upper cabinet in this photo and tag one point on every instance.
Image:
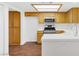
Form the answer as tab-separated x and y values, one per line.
43	15
16	19
14	28
11	18
60	16
78	15
31	13
75	15
71	16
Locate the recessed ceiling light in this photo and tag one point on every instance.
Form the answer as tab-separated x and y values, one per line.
47	7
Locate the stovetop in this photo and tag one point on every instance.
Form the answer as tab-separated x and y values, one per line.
49	29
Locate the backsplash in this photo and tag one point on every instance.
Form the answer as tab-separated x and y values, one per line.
59	26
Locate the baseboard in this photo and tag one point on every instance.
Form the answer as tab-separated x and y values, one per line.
28	41
6	54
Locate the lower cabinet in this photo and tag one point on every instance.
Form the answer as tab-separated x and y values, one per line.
39	36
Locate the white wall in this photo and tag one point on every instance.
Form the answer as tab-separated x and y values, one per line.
1	30
4	30
29	27
22	28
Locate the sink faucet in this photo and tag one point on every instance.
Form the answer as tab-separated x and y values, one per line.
76	31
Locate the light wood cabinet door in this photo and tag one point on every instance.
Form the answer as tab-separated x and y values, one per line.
75	15
14	36
78	15
16	40
11	19
14	28
11	36
70	15
39	36
42	17
16	19
31	13
61	17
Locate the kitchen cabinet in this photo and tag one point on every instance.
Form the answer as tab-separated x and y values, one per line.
43	15
73	15
11	19
14	28
31	13
78	16
16	36
59	16
39	36
11	36
16	19
70	16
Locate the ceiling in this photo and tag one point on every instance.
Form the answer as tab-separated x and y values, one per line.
27	7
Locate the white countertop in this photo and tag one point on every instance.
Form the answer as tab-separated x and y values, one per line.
67	36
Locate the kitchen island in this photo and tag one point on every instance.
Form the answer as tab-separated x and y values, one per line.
65	44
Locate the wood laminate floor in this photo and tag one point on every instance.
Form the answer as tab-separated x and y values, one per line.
28	49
